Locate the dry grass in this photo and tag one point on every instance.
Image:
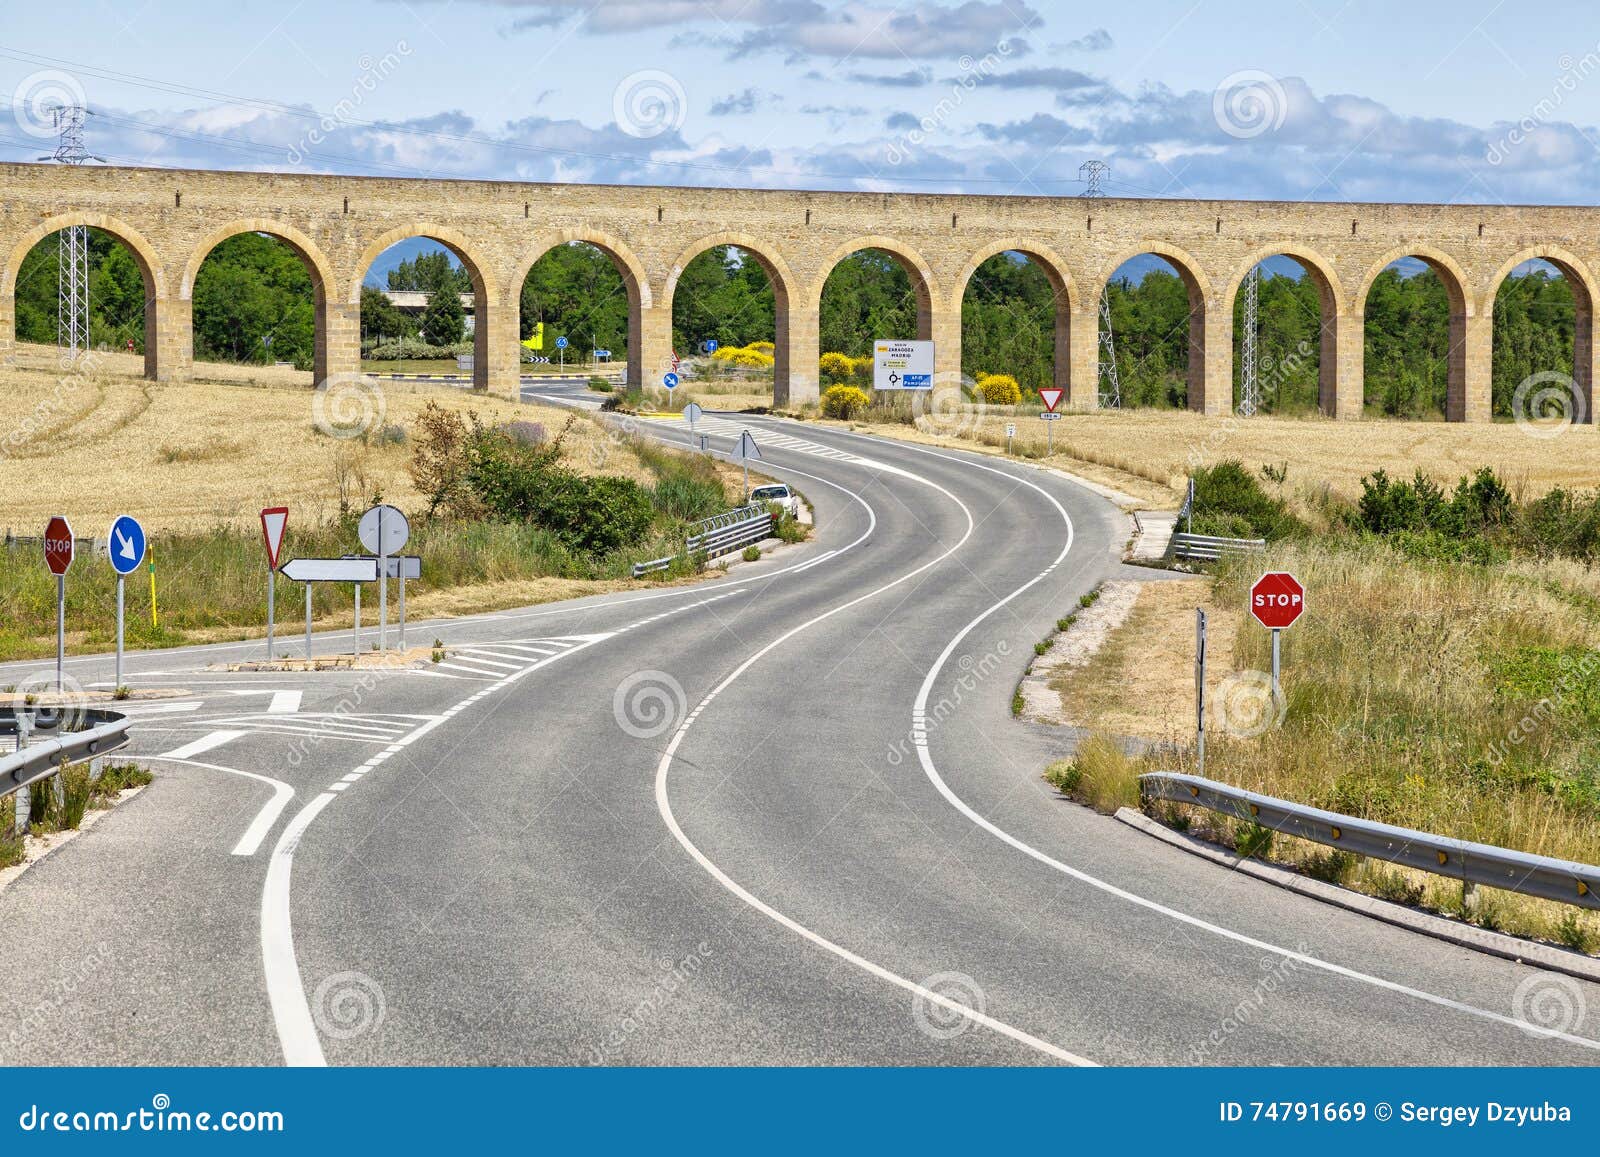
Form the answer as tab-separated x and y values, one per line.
213	451
1148	453
1141	682
1403	681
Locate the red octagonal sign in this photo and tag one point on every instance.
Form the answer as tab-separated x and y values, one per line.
58	545
1277	599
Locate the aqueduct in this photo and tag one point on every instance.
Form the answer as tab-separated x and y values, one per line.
171	218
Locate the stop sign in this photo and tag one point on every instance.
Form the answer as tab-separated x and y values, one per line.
58	545
1277	599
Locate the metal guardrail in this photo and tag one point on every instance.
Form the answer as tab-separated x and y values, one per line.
718	535
1542	876
1210	548
105	732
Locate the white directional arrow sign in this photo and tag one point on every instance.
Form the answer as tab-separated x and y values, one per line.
331	570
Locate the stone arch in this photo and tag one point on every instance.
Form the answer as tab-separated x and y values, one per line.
1582	284
782	280
633	276
485	295
1210	372
1464	316
324	285
1060	278
922	279
1330	296
144	256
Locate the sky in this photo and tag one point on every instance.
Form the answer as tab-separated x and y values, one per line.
1473	101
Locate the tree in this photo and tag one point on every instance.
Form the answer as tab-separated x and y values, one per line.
444	321
380	318
428	271
579	294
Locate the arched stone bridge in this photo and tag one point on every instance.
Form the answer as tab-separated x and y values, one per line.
170	219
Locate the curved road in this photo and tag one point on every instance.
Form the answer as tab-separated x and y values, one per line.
780	818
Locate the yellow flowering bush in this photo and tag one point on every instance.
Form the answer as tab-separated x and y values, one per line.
843	401
999	389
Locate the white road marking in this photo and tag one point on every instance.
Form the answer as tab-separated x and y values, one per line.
918	713
143	709
297	1033
282	793
203	744
664	807
284	702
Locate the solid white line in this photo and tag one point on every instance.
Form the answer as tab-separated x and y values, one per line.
282	793
470	670
284	702
297	1032
203	744
664	807
918	715
139	710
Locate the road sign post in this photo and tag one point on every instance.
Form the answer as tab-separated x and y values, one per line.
125	546
1200	687
383	530
355	569
59	548
1011	432
747	450
273	521
1277	600
308	625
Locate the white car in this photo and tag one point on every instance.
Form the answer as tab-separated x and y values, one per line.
780	494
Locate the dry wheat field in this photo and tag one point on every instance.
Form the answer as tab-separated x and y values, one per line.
187	456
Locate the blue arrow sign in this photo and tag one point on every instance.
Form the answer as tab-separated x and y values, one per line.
126	545
670	381
711	345
561	343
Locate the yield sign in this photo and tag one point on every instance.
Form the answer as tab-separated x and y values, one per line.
273	520
58	545
1051	397
747	450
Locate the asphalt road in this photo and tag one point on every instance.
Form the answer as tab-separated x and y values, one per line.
783	817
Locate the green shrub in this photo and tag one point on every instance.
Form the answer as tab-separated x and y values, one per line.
600	385
1228	494
752	553
843	402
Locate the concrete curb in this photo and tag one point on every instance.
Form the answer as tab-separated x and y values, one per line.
1532	952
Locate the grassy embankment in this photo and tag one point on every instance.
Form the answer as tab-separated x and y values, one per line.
195	461
1442	678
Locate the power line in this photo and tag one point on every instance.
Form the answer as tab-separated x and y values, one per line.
1249	382
343	121
72	247
1108	381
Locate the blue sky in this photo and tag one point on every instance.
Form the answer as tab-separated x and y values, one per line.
1320	99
